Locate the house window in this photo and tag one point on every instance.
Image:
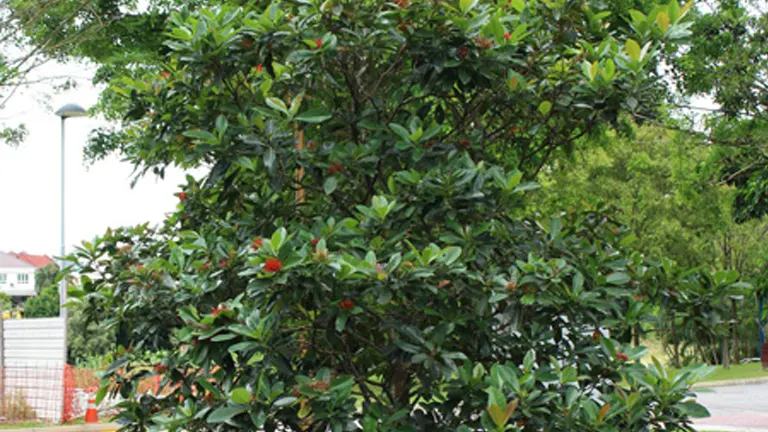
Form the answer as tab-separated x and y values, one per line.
3	278
22	279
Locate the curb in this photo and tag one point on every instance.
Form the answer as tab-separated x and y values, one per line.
738	382
73	428
709	427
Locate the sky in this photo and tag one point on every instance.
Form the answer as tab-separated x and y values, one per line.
96	197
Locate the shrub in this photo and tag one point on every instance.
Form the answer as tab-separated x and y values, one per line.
43	305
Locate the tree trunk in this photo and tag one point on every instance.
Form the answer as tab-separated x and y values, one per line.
725	356
636	336
401	383
735	324
676	347
713	350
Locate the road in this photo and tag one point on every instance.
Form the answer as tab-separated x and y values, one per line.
742	408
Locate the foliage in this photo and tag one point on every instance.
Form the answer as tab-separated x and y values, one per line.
23	49
727	60
356	255
660	183
46	277
6	302
655	179
43	305
86	341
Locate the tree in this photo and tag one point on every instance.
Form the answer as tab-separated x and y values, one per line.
356	253
675	208
727	61
6	302
32	33
46	277
43	305
86	340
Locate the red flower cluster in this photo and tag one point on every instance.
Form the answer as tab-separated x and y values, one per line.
463	52
273	265
259	67
622	356
335	168
319	385
257	243
507	35
182	196
319	43
483	43
315	241
217	310
347	305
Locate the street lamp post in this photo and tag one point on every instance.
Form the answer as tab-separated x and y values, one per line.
65	112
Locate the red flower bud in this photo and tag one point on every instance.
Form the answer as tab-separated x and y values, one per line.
257	243
319	43
219	309
182	196
335	168
463	52
483	43
273	265
259	67
622	356
315	241
507	35
347	305
247	43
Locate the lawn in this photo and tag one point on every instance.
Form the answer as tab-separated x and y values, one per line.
742	371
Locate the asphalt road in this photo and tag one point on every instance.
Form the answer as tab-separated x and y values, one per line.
741	408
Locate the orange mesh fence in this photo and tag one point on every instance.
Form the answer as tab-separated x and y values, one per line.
33	393
53	393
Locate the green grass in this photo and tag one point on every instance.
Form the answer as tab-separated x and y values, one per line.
39	425
742	371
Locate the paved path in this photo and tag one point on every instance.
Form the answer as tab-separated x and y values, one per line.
742	408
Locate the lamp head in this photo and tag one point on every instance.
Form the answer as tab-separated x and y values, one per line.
71	110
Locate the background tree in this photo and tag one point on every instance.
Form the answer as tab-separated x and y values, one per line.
727	61
43	305
46	277
674	206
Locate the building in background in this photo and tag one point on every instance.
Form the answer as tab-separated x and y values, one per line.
17	276
39	261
